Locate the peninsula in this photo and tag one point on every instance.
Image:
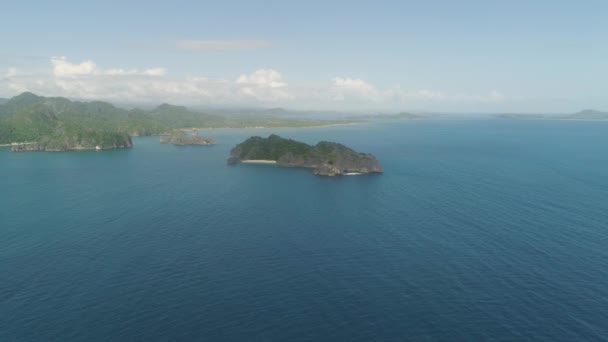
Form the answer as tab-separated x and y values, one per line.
325	158
29	122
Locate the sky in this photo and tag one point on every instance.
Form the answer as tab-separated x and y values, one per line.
447	56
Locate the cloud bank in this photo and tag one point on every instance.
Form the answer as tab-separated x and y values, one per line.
263	87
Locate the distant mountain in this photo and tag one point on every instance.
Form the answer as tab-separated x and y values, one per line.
167	108
589	114
521	116
3	101
24	99
32	118
277	112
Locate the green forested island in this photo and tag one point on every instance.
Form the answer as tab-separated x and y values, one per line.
325	158
59	124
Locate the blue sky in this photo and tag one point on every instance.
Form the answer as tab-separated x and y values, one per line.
461	56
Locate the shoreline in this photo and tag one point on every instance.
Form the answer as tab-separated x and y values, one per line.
252	127
274	127
17	143
258	161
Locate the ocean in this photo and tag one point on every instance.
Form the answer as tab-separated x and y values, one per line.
478	230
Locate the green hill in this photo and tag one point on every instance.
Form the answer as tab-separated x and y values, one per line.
29	117
325	158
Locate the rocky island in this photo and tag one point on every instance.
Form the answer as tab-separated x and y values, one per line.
325	158
181	137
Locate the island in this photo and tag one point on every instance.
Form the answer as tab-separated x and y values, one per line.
71	141
181	137
325	158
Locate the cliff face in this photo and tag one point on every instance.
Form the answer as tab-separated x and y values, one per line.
181	138
72	143
325	158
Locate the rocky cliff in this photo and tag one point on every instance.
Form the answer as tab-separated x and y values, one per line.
325	158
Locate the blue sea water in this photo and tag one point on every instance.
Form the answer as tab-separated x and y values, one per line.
477	230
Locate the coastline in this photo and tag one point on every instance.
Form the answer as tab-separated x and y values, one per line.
273	127
17	143
258	161
252	127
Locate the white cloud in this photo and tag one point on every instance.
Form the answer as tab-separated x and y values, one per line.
10	72
263	78
265	84
353	89
154	72
354	85
86	80
263	87
64	68
220	45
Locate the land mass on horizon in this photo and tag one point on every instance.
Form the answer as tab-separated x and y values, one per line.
35	123
587	114
182	137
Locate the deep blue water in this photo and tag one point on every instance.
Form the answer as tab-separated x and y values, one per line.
477	230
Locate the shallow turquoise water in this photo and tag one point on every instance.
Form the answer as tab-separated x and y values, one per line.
490	229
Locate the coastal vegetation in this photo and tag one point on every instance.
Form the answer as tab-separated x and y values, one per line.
325	158
181	137
54	122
